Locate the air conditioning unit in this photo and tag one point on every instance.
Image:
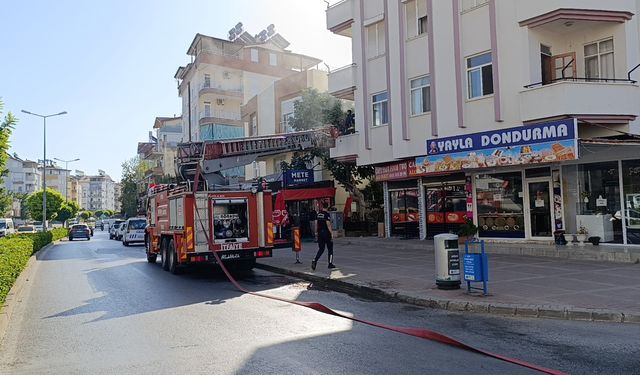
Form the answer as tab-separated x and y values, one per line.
226	75
220	101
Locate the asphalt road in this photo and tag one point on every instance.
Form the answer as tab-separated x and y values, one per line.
96	307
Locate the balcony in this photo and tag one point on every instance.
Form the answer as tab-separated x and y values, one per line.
220	89
537	13
340	17
342	82
346	148
225	117
579	97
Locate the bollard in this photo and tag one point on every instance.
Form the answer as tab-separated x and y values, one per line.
296	243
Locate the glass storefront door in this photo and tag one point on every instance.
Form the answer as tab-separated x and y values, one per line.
631	191
445	207
405	215
540	209
499	205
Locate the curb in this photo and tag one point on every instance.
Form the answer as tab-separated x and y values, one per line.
14	294
501	309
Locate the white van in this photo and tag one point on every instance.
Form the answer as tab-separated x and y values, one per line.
6	227
133	230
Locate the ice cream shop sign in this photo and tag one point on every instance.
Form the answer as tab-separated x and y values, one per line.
529	144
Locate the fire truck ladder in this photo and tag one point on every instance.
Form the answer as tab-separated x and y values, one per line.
216	156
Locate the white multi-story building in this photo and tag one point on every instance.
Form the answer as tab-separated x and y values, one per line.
467	108
56	177
22	176
224	74
98	192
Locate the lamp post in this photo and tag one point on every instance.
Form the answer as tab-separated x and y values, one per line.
44	164
66	179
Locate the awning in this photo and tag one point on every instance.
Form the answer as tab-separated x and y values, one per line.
304	194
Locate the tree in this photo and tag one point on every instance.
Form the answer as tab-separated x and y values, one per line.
54	202
314	110
108	213
85	215
6	126
99	213
132	173
67	210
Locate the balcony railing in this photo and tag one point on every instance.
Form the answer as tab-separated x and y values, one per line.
220	53
216	87
225	115
581	79
342	82
340	17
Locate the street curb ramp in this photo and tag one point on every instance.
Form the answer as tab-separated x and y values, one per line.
501	309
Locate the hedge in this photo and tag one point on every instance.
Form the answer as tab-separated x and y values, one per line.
15	251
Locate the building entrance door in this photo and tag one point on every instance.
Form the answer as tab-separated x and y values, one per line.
540	209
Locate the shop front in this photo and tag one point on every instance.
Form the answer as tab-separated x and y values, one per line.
516	177
445	203
401	198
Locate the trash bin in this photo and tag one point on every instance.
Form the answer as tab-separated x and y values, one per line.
447	259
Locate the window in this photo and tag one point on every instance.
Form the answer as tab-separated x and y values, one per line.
254	125
207	109
380	116
375	40
598	60
273	59
422	25
420	95
254	55
471	4
416	17
480	75
207	80
287	122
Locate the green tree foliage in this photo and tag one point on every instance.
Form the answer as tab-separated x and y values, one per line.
6	126
132	174
54	202
99	213
85	215
314	110
67	210
107	213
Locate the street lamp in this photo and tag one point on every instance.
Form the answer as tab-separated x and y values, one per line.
44	165
66	167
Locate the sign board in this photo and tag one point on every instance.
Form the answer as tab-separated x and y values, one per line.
528	144
298	177
475	267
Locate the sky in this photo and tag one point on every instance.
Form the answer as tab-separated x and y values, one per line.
110	65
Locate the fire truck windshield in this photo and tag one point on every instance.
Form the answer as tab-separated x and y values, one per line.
230	220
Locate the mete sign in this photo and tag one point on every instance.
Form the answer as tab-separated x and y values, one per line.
298	177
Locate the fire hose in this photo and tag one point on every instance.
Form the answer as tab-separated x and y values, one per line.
416	332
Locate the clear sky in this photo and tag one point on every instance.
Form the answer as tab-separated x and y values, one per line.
110	64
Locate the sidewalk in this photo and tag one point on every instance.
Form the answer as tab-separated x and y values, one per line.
544	286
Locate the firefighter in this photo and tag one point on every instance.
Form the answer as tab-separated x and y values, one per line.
325	236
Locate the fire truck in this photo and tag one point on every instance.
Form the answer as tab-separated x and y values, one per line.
202	214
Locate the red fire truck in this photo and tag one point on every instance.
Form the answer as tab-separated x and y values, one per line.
190	220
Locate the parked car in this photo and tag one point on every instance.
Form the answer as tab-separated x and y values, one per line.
38	225
113	229
120	231
26	229
79	231
133	231
6	227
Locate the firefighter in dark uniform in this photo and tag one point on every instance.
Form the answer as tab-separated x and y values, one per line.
325	236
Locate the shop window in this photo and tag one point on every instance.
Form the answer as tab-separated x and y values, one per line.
499	204
445	207
479	75
631	190
404	211
599	208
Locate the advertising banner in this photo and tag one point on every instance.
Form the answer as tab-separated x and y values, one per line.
529	144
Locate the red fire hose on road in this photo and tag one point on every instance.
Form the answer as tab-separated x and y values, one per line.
416	332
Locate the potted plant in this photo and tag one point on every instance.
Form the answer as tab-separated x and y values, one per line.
467	231
568	237
582	234
595	240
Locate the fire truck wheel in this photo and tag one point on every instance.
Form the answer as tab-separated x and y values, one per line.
173	258
165	258
151	258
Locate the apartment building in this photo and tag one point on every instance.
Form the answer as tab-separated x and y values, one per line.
22	175
56	176
522	115
74	190
168	135
272	112
225	73
98	192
